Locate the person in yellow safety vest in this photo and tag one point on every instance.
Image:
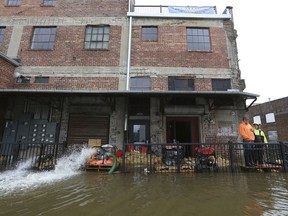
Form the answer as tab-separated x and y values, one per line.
260	137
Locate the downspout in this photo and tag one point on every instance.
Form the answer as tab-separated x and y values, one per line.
129	52
128	66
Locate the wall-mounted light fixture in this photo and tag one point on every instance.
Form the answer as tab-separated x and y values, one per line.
20	78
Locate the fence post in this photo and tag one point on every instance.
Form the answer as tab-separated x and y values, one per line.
282	147
231	148
15	153
149	153
123	158
178	158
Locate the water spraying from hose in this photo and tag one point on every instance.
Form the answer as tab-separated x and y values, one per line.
22	178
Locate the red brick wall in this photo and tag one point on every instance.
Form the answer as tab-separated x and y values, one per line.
159	83
171	49
203	85
6	72
68	49
69	8
74	83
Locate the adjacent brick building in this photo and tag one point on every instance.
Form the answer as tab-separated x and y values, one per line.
118	72
273	117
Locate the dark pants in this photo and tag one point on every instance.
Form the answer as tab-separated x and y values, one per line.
248	152
259	153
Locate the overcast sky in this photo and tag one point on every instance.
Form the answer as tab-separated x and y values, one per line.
262	42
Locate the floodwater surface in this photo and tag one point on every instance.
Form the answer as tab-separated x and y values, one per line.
68	191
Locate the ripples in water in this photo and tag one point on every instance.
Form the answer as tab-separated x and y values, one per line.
89	193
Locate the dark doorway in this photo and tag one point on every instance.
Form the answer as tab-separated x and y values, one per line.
183	130
138	131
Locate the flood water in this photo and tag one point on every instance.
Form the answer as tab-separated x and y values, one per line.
68	191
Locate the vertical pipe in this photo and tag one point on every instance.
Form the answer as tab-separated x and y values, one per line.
129	53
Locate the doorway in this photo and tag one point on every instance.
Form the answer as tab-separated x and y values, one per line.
183	130
138	131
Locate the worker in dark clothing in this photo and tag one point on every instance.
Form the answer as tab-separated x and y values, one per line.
259	141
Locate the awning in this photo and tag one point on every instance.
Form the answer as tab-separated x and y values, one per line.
132	93
235	93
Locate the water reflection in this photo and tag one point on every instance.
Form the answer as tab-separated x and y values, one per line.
135	194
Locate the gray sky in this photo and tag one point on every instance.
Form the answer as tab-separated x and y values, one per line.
262	42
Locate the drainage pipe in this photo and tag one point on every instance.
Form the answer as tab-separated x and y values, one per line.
114	164
129	53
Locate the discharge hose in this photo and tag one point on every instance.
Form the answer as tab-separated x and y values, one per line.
114	164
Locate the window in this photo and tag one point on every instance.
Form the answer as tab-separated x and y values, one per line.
257	119
2	30
221	84
272	136
140	83
180	83
270	118
41	80
149	33
13	2
198	39
49	2
43	38
97	37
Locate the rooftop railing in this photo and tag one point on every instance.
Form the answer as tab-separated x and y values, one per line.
165	9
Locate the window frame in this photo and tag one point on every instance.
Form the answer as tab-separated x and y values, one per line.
149	33
215	83
135	83
257	119
270	117
198	39
13	3
41	38
48	3
2	34
41	80
174	86
100	39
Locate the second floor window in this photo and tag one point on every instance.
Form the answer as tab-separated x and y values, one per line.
97	37
49	2
43	38
180	83
149	33
221	84
13	2
140	83
2	30
198	39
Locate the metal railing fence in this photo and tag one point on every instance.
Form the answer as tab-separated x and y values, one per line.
201	157
41	156
162	158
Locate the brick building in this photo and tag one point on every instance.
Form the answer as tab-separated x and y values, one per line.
113	70
273	117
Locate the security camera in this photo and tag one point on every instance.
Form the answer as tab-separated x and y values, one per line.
17	75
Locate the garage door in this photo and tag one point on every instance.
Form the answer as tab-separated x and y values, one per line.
83	127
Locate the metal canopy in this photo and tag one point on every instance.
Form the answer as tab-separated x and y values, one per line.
120	93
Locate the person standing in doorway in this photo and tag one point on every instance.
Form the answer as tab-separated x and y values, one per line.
259	141
247	134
